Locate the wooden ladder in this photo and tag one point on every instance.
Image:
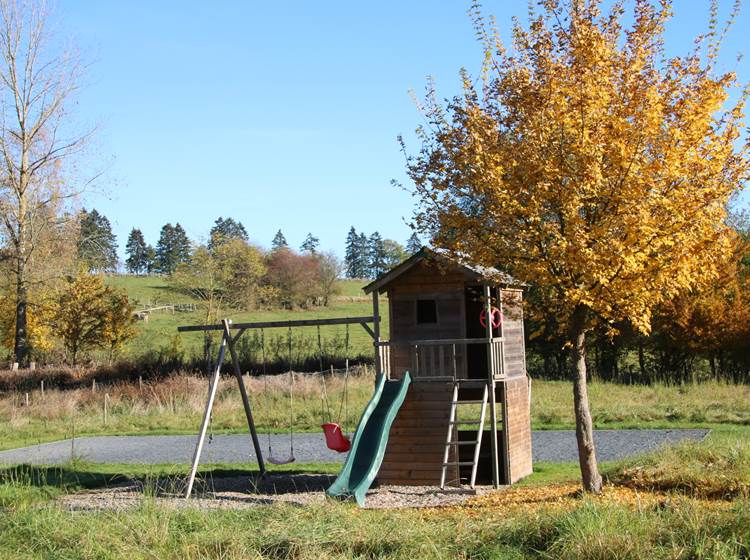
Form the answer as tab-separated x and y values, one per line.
452	438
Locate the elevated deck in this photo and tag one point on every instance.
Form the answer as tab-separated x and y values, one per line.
469	361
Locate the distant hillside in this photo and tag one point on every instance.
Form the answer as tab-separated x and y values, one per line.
159	332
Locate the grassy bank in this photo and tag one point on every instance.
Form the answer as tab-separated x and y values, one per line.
159	333
175	405
336	531
544	518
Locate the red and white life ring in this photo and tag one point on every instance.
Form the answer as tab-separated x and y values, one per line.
495	314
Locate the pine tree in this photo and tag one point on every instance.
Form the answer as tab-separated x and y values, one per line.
413	244
363	256
172	249
279	242
135	249
376	262
225	230
182	248
150	259
164	252
351	257
310	244
97	245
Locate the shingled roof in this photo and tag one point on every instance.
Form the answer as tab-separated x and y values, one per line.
439	255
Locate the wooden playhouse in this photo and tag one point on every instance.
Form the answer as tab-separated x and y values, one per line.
458	330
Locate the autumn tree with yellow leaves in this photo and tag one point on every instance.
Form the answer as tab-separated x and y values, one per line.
587	162
87	314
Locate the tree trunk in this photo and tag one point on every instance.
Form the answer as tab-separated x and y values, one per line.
592	480
642	361
21	342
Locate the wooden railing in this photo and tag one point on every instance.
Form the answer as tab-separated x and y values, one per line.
443	359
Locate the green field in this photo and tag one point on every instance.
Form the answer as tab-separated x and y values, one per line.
689	501
159	334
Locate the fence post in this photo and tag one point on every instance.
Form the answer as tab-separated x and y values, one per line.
140	383
93	385
73	436
42	386
106	403
26	399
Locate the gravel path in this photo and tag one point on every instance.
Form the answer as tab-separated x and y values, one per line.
559	446
548	445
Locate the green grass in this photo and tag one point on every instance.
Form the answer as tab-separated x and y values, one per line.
716	468
681	527
353	288
706	513
160	332
639	406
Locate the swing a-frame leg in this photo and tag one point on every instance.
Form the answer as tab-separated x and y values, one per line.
226	340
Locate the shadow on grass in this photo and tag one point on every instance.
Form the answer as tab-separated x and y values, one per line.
166	480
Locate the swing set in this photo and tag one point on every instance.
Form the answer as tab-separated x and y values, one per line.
334	436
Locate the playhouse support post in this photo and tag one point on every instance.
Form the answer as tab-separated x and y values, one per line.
207	415
506	420
243	394
376	331
491	385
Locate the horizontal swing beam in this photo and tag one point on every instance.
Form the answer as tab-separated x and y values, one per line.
280	324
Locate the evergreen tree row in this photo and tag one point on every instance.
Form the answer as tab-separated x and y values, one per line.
367	256
370	256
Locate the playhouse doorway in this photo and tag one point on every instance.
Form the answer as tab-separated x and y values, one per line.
476	354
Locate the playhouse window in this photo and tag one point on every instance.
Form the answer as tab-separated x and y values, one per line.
426	311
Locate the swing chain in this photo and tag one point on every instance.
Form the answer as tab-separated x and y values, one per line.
291	398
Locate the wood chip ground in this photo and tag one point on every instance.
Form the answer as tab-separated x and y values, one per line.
242	492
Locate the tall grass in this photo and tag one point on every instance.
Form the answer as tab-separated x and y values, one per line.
338	531
677	526
718	470
615	405
175	405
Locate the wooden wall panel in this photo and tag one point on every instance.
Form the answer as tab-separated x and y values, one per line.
447	289
414	454
514	349
518	427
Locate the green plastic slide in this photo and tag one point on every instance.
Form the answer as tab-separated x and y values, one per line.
368	447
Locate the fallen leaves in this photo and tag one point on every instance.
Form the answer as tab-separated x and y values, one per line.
567	497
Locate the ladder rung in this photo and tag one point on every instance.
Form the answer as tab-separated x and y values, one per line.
465	422
462	443
459	463
467	402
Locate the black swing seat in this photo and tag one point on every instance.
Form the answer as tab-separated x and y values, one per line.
280	461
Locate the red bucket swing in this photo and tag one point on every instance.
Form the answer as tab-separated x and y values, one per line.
334	435
335	438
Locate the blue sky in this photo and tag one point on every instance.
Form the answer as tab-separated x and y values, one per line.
279	114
